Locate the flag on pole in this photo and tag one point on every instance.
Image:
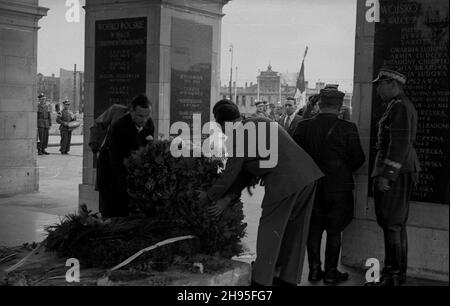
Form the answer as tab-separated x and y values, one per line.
301	76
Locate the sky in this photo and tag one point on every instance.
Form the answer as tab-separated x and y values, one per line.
262	32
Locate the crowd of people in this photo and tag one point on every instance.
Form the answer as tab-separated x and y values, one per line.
309	191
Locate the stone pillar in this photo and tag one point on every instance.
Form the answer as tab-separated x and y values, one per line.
158	42
413	28
18	95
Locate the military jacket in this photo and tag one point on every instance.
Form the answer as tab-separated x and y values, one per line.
335	146
397	130
44	119
65	116
260	115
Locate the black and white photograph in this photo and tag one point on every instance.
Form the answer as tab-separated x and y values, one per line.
224	148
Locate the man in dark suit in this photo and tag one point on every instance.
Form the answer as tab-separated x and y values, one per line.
127	134
335	146
395	172
290	119
289	193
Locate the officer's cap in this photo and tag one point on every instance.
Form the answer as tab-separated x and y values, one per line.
258	103
390	74
66	102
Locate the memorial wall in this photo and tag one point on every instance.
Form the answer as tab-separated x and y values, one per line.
413	36
120	61
191	58
167	49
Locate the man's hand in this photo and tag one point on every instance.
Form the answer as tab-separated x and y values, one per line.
203	197
383	184
219	206
149	138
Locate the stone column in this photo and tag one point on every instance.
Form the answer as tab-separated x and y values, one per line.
163	20
410	29
18	95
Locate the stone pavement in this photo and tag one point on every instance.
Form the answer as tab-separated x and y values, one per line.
53	140
23	217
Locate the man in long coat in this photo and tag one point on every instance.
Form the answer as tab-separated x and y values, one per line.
112	149
289	194
335	146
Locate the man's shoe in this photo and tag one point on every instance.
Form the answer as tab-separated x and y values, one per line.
315	274
40	152
45	152
279	282
334	277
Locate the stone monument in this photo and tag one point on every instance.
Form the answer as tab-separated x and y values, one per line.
168	49
412	36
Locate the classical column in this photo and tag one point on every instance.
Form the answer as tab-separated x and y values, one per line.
18	95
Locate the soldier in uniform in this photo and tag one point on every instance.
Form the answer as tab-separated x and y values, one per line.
290	119
279	111
64	118
395	172
44	122
335	146
260	110
272	115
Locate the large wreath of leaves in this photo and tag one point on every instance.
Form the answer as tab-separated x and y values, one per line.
164	187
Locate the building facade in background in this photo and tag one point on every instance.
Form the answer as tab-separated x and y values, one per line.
57	89
271	86
73	91
49	86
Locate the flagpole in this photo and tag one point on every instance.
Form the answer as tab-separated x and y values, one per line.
257	81
279	95
235	86
302	71
231	72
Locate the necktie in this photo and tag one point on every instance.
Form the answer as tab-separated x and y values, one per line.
288	122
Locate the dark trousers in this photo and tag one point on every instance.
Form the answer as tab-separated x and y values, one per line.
281	240
113	199
66	137
42	139
332	212
392	210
